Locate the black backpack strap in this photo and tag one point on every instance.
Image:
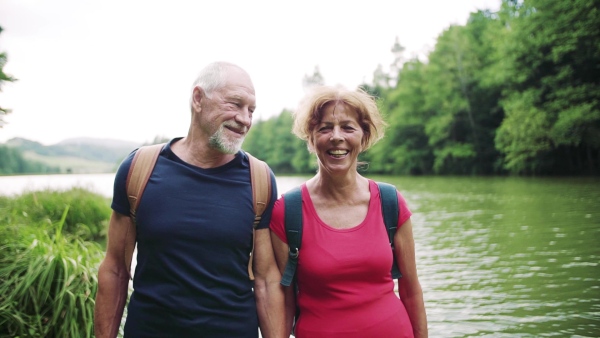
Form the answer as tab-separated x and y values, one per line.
293	230
391	213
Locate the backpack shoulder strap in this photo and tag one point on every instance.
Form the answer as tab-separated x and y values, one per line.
260	178
293	228
391	213
139	173
137	177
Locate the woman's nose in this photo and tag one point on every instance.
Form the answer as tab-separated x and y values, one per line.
336	135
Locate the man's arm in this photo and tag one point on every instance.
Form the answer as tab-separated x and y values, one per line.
268	291
113	276
409	287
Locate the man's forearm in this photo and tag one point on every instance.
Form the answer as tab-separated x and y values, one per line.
110	302
271	311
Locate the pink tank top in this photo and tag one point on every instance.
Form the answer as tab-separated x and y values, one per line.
344	280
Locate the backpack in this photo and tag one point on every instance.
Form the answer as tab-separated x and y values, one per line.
293	226
142	166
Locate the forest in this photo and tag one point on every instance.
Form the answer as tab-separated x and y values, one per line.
513	92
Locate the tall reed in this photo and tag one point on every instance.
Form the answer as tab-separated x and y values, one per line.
48	280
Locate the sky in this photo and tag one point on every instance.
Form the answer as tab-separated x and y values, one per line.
123	69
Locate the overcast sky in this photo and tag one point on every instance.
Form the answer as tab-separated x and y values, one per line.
123	69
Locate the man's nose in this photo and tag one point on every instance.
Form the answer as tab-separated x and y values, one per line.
244	117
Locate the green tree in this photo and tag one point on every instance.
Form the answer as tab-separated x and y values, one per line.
552	123
271	140
463	101
13	162
451	128
4	78
404	149
398	53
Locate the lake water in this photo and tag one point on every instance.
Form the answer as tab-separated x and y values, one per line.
497	256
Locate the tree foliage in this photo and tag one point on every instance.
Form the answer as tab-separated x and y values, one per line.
272	141
13	162
3	79
552	97
514	91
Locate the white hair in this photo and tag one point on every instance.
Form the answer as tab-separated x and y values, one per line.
211	78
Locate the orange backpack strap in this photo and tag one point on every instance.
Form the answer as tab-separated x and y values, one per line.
260	177
139	173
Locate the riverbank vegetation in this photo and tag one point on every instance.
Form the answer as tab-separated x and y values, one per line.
51	243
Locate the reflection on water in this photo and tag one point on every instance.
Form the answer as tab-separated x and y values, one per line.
497	257
507	257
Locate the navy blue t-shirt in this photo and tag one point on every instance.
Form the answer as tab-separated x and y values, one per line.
194	237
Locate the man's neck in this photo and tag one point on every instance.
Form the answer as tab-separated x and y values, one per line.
200	154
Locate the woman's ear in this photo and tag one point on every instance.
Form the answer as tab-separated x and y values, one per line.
310	146
364	141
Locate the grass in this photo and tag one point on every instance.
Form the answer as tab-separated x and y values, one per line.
87	218
48	269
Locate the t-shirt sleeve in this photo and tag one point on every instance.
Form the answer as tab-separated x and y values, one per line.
266	216
120	202
404	211
277	220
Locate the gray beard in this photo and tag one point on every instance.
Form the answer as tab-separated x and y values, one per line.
219	141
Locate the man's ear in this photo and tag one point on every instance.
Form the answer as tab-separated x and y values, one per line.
197	97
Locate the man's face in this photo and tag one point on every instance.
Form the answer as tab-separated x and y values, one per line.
227	115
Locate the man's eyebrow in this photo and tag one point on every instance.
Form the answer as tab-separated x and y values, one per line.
234	97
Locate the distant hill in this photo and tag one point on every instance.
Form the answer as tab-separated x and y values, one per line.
76	155
103	142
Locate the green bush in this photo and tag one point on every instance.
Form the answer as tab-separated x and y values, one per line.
88	217
48	280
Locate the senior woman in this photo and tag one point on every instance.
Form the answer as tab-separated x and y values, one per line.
344	284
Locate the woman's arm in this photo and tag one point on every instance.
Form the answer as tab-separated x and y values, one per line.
409	287
281	256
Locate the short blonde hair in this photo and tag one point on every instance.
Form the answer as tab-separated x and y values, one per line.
310	112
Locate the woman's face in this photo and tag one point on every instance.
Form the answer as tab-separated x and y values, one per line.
337	138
